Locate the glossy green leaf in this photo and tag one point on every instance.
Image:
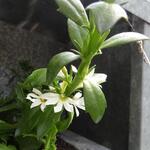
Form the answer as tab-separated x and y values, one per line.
57	63
37	78
74	10
106	15
96	41
95	101
47	118
123	38
64	123
5	147
79	35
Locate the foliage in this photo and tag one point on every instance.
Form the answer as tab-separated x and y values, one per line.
56	93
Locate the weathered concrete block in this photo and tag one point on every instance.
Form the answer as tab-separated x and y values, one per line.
81	143
21	45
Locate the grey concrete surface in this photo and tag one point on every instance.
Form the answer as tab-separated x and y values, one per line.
80	142
139	132
21	45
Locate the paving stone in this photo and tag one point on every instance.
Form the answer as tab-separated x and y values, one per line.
81	143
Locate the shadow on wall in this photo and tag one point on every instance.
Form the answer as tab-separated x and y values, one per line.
41	16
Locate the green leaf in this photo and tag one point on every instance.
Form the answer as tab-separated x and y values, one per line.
5	147
123	38
37	78
5	128
28	121
79	35
106	15
64	123
74	10
96	41
110	1
95	101
57	63
20	93
45	121
28	143
8	107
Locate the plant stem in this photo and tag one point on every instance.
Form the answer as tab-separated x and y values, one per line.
82	72
51	139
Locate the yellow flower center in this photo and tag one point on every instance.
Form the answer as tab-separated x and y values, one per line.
42	100
63	98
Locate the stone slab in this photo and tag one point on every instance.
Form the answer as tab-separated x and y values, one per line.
80	142
140	8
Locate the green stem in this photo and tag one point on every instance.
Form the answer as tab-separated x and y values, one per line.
82	72
51	139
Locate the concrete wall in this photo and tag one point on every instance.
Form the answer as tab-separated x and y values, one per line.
18	46
113	130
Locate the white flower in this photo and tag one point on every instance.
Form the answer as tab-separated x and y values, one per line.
67	103
74	69
40	99
96	77
78	102
59	100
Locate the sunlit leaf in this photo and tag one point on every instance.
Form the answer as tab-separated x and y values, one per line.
79	35
57	62
106	15
123	38
74	10
95	101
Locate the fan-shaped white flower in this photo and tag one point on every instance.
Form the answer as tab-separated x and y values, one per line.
59	100
40	99
96	77
69	103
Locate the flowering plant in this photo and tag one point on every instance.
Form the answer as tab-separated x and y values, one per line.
49	98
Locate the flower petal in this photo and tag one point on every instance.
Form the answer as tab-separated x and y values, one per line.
61	74
77	95
77	111
49	95
99	77
91	73
58	107
36	91
43	106
52	88
36	103
74	69
32	95
30	98
52	101
80	103
68	107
